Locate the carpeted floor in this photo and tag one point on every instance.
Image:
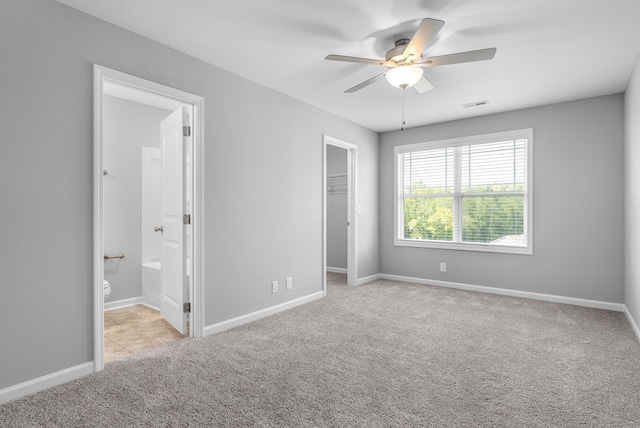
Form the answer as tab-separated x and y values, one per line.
386	354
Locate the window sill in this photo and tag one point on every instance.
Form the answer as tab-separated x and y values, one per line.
486	248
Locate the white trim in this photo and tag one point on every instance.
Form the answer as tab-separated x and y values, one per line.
336	270
526	133
98	222
100	75
196	316
463	246
619	307
353	208
463	141
633	323
155	308
118	304
47	381
244	319
368	279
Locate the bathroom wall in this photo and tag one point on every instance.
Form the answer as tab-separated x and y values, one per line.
128	126
336	209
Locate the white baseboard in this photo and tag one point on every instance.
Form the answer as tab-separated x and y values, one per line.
57	378
235	322
633	323
149	305
619	307
360	281
108	306
367	279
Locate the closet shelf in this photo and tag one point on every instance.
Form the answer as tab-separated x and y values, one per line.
337	184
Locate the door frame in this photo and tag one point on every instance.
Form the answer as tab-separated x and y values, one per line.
353	209
100	76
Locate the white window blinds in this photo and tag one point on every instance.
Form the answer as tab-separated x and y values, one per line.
473	191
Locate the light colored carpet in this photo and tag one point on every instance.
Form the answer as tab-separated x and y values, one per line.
385	354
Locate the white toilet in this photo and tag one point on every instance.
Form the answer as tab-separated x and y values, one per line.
107	289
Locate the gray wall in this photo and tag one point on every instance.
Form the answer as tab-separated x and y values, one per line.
337	209
578	235
128	126
262	190
263	184
632	194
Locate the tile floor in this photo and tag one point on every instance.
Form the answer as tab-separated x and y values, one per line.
134	329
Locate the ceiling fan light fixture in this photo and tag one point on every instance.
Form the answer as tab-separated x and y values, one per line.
404	76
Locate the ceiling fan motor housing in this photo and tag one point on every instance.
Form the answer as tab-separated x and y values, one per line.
396	54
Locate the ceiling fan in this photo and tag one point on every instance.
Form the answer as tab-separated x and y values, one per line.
405	61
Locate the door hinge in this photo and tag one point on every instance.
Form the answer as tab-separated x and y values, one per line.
186	219
186	131
186	308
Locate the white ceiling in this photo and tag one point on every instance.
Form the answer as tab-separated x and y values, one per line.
548	50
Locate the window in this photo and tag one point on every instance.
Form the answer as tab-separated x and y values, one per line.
471	193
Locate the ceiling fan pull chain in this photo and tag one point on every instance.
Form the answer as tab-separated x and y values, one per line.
402	109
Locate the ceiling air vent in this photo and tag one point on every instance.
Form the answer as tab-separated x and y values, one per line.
475	104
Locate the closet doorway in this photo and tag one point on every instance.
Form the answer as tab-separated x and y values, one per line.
123	104
340	209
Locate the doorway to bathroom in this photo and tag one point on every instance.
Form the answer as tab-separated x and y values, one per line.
147	210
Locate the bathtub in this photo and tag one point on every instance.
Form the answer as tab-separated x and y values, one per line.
151	283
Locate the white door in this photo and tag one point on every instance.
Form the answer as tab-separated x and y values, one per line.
174	290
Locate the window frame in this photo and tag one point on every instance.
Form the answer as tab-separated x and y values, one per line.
399	241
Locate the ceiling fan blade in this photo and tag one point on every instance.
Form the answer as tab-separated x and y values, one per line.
457	58
423	85
358	60
426	31
365	84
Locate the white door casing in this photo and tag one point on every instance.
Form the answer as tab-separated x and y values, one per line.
352	277
157	95
353	209
174	290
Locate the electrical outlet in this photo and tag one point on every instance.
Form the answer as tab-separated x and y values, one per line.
289	283
443	267
274	286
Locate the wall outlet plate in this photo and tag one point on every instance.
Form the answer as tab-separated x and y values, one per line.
274	286
289	283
